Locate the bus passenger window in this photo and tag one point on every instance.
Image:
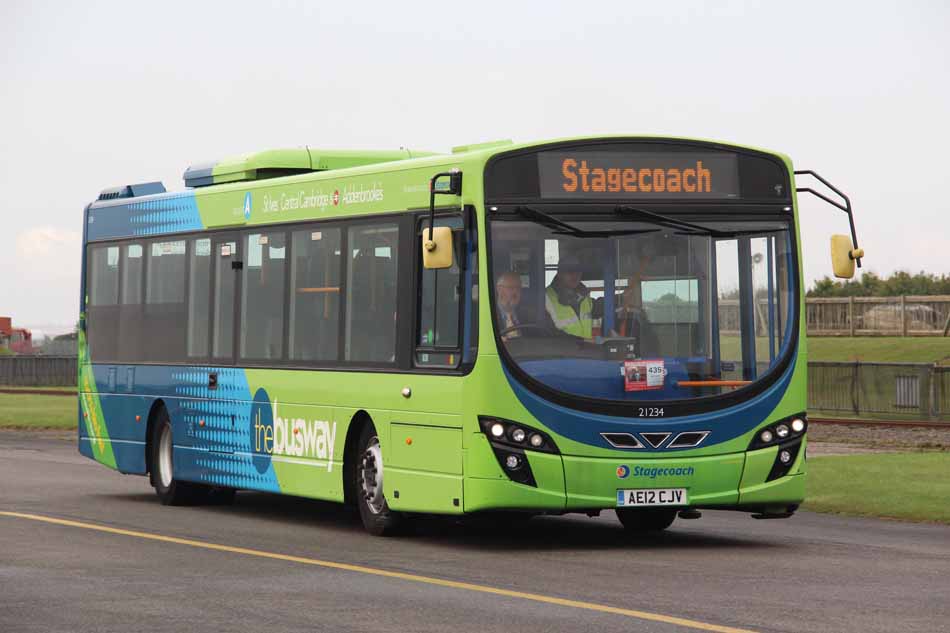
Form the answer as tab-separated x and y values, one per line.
371	293
102	313
165	301
104	276
130	335
315	295
262	300
199	288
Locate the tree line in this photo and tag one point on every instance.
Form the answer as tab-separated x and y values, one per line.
871	285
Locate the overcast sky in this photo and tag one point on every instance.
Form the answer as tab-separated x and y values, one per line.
97	94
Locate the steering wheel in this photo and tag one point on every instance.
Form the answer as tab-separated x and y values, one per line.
522	326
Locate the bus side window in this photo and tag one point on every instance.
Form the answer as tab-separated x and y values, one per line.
130	334
103	302
199	297
262	298
315	294
440	293
371	276
165	301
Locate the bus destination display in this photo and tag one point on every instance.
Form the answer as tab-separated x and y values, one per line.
617	175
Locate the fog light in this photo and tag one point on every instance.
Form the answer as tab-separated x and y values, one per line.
536	440
497	429
518	435
798	425
766	436
782	431
512	462
785	457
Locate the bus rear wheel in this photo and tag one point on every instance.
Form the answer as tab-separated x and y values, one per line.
377	518
170	491
646	520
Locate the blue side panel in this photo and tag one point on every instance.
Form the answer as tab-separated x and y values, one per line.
211	428
142	217
724	425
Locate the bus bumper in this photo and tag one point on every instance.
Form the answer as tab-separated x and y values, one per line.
570	483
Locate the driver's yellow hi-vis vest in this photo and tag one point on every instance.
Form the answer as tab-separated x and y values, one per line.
566	319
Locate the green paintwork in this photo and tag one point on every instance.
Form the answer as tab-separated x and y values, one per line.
246	167
450	467
96	426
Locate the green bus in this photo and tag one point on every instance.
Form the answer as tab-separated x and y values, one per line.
565	326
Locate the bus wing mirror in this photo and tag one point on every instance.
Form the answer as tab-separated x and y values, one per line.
843	256
437	241
437	248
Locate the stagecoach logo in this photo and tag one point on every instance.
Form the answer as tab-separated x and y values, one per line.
623	471
273	435
247	205
336	197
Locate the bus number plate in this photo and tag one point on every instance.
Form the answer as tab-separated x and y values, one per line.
652	497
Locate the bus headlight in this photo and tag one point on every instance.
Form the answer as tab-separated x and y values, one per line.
503	432
512	443
780	432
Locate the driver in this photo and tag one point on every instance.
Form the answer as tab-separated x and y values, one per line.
567	300
507	300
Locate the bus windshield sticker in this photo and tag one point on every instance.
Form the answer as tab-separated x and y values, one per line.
617	175
643	375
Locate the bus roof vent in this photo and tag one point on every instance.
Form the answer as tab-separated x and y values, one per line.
287	162
461	149
132	191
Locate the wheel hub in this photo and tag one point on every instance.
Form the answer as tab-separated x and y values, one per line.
371	477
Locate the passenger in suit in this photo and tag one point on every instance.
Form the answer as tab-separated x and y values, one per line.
507	300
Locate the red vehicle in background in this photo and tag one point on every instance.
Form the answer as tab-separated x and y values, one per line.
17	340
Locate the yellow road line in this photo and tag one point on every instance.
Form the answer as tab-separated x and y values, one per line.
534	597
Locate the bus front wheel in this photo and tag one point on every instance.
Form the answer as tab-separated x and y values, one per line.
646	520
377	518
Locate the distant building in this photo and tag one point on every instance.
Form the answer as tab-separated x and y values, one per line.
17	340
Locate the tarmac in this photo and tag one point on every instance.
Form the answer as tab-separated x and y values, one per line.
83	548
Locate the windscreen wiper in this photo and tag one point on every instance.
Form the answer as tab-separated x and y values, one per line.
685	228
563	228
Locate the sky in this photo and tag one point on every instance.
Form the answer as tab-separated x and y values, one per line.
99	94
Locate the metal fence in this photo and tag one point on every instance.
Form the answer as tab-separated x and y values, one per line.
884	390
856	316
38	371
878	316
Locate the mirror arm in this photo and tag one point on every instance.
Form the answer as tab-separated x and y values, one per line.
856	253
455	189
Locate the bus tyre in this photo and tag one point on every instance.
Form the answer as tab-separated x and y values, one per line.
170	491
646	520
377	518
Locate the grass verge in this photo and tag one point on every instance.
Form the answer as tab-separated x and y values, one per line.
908	486
31	411
881	349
